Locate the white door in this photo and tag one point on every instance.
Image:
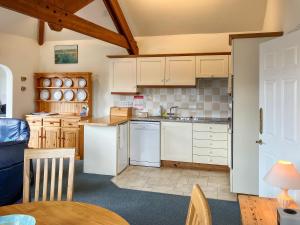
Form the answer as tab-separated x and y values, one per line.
176	141
181	70
151	70
279	100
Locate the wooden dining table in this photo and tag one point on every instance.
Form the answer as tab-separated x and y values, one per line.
65	213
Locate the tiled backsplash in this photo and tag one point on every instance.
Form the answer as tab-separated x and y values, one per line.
208	99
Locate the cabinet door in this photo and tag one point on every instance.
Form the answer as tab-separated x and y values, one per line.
70	138
123	75
151	70
176	141
122	147
180	70
35	140
51	137
212	66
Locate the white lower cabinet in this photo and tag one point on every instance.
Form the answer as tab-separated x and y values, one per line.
210	144
176	141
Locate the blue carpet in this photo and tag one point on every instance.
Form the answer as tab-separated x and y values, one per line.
145	208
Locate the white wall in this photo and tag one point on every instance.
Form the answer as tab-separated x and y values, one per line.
282	15
186	43
2	87
21	56
91	58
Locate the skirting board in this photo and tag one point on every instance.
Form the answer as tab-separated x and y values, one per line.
199	166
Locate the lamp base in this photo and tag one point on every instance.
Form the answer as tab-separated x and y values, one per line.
284	200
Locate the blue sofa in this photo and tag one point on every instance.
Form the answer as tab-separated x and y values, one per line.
14	137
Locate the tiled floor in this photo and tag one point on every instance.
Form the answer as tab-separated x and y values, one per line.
176	181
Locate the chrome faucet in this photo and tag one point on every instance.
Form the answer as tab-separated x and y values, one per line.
170	111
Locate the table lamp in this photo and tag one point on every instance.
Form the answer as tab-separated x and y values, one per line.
285	176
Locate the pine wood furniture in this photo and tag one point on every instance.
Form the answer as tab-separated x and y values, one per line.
199	211
121	111
44	156
62	130
259	211
56	132
65	212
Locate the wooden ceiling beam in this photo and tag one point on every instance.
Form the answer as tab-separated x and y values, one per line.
55	15
71	6
41	32
121	24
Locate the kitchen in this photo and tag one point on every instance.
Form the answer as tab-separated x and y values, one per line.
169	111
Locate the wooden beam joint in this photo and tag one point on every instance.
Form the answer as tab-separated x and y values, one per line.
55	15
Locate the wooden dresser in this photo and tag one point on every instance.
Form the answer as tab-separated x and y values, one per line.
61	130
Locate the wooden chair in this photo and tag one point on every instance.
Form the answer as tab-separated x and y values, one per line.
199	211
45	155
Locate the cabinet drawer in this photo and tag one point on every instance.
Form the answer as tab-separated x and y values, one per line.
34	121
209	144
70	123
210	151
217	128
210	136
210	160
51	122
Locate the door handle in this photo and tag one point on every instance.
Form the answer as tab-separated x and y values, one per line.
261	120
260	142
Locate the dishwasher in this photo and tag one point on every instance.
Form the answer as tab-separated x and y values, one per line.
145	143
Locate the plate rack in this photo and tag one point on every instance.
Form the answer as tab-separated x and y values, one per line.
63	106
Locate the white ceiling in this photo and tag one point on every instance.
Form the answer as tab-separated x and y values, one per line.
155	17
170	17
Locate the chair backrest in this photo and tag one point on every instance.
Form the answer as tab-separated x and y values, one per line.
199	211
45	155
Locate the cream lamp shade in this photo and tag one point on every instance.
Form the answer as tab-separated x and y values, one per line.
284	175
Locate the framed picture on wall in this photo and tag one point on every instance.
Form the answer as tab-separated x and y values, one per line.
66	54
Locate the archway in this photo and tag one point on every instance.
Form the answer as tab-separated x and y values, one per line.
6	91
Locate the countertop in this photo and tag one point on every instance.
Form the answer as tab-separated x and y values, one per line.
116	120
105	121
199	120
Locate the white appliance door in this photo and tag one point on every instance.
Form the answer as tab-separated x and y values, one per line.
123	147
145	143
279	100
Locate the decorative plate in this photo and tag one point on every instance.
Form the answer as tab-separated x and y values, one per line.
18	219
57	95
44	94
68	95
68	82
81	95
81	82
58	82
46	82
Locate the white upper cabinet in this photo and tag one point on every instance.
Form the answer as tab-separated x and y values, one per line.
123	75
151	71
180	70
212	66
176	141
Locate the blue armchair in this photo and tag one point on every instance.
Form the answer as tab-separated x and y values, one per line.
14	137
